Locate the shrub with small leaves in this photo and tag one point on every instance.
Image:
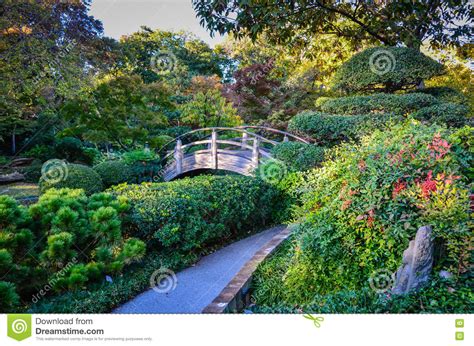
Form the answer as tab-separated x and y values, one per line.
74	176
331	129
114	172
400	104
299	156
385	68
450	114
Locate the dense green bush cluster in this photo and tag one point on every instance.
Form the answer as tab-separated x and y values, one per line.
65	241
114	172
331	129
446	94
66	148
451	114
385	68
72	176
298	156
361	208
190	213
400	104
439	296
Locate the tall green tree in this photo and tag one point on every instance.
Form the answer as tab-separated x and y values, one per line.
120	110
48	50
172	56
389	22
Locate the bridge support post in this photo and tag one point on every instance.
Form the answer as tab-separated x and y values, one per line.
244	140
178	156
285	139
214	149
255	152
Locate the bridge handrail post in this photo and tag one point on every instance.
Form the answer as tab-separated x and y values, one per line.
178	156
255	152
214	149
244	140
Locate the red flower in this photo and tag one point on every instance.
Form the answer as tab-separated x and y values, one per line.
371	218
428	185
398	187
438	147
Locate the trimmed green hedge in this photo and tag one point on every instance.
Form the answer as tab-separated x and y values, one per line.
446	94
451	114
385	68
298	156
73	176
400	104
114	172
331	129
189	214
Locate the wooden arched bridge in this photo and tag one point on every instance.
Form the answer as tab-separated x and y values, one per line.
219	148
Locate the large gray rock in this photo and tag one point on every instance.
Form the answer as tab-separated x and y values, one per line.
417	262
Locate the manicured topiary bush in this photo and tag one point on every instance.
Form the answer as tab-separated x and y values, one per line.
70	175
188	214
362	207
446	95
385	68
330	129
114	172
451	114
400	104
298	156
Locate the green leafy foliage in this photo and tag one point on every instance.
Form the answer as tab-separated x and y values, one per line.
9	299
446	94
298	156
114	172
80	238
331	129
189	214
451	114
400	104
361	208
74	176
385	68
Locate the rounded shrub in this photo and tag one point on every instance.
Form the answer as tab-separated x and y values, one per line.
114	172
451	114
72	176
446	94
299	156
9	298
400	104
385	68
330	129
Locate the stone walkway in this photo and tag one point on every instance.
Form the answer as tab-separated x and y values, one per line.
197	286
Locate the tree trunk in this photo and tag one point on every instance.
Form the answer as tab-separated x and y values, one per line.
14	141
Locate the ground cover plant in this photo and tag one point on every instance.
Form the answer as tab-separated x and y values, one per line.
363	205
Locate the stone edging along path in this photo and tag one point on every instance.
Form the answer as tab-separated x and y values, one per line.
235	296
196	287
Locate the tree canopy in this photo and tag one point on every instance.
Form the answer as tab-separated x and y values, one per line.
388	22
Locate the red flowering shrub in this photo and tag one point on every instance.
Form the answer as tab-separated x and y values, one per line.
362	207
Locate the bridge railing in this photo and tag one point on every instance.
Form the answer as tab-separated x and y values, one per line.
255	146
